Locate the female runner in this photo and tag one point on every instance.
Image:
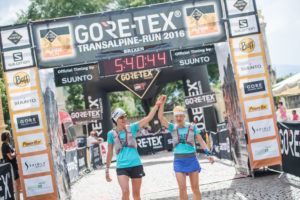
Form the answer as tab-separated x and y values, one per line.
123	139
185	160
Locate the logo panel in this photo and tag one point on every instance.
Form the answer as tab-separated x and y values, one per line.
254	87
243	25
18	58
21	79
246	45
35	164
31	143
265	149
38	185
237	7
28	121
257	107
24	100
202	21
250	66
15	37
261	129
56	42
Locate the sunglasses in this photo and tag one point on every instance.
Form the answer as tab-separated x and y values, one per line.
123	117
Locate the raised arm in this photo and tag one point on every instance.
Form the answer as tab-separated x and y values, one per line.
151	114
161	118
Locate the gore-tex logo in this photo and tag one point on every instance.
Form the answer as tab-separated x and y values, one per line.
15	37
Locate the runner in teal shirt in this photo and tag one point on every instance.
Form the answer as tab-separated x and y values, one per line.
128	157
183	148
123	139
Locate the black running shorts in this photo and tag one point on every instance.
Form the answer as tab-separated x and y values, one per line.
132	172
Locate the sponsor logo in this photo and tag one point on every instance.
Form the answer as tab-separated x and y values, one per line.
255	86
14	37
251	67
32	143
243	23
56	42
258	108
21	79
34	165
263	151
247	45
240	5
77	79
28	121
38	185
140	86
202	20
258	130
17	56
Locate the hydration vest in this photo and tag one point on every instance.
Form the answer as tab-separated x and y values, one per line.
130	141
189	139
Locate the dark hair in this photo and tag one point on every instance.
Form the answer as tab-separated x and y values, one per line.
294	111
280	103
4	136
114	121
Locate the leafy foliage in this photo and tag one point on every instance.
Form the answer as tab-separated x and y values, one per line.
4	98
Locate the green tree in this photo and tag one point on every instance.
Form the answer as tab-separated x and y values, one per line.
4	97
75	99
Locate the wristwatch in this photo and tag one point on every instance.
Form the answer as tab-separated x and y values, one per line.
107	170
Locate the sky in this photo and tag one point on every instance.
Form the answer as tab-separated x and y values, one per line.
283	29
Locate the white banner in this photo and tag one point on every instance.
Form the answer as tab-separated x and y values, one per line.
35	164
21	79
243	25
258	107
15	37
261	128
28	121
18	58
38	185
237	7
264	150
254	87
250	66
246	45
24	100
31	143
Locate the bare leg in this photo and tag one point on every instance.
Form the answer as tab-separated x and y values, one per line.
17	182
136	188
124	184
194	179
181	180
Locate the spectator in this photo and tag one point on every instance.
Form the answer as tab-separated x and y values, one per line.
150	131
283	116
295	116
144	132
92	139
9	156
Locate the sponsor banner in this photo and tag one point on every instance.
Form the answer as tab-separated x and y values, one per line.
76	75
135	63
35	164
246	45
149	144
194	56
261	129
202	100
24	100
245	25
81	158
16	59
250	66
93	37
96	158
14	37
138	82
238	7
86	115
38	185
253	87
168	141
31	143
257	107
289	133
6	182
72	164
28	121
264	150
21	79
220	144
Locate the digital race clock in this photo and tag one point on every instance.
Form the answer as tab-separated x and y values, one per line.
135	63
